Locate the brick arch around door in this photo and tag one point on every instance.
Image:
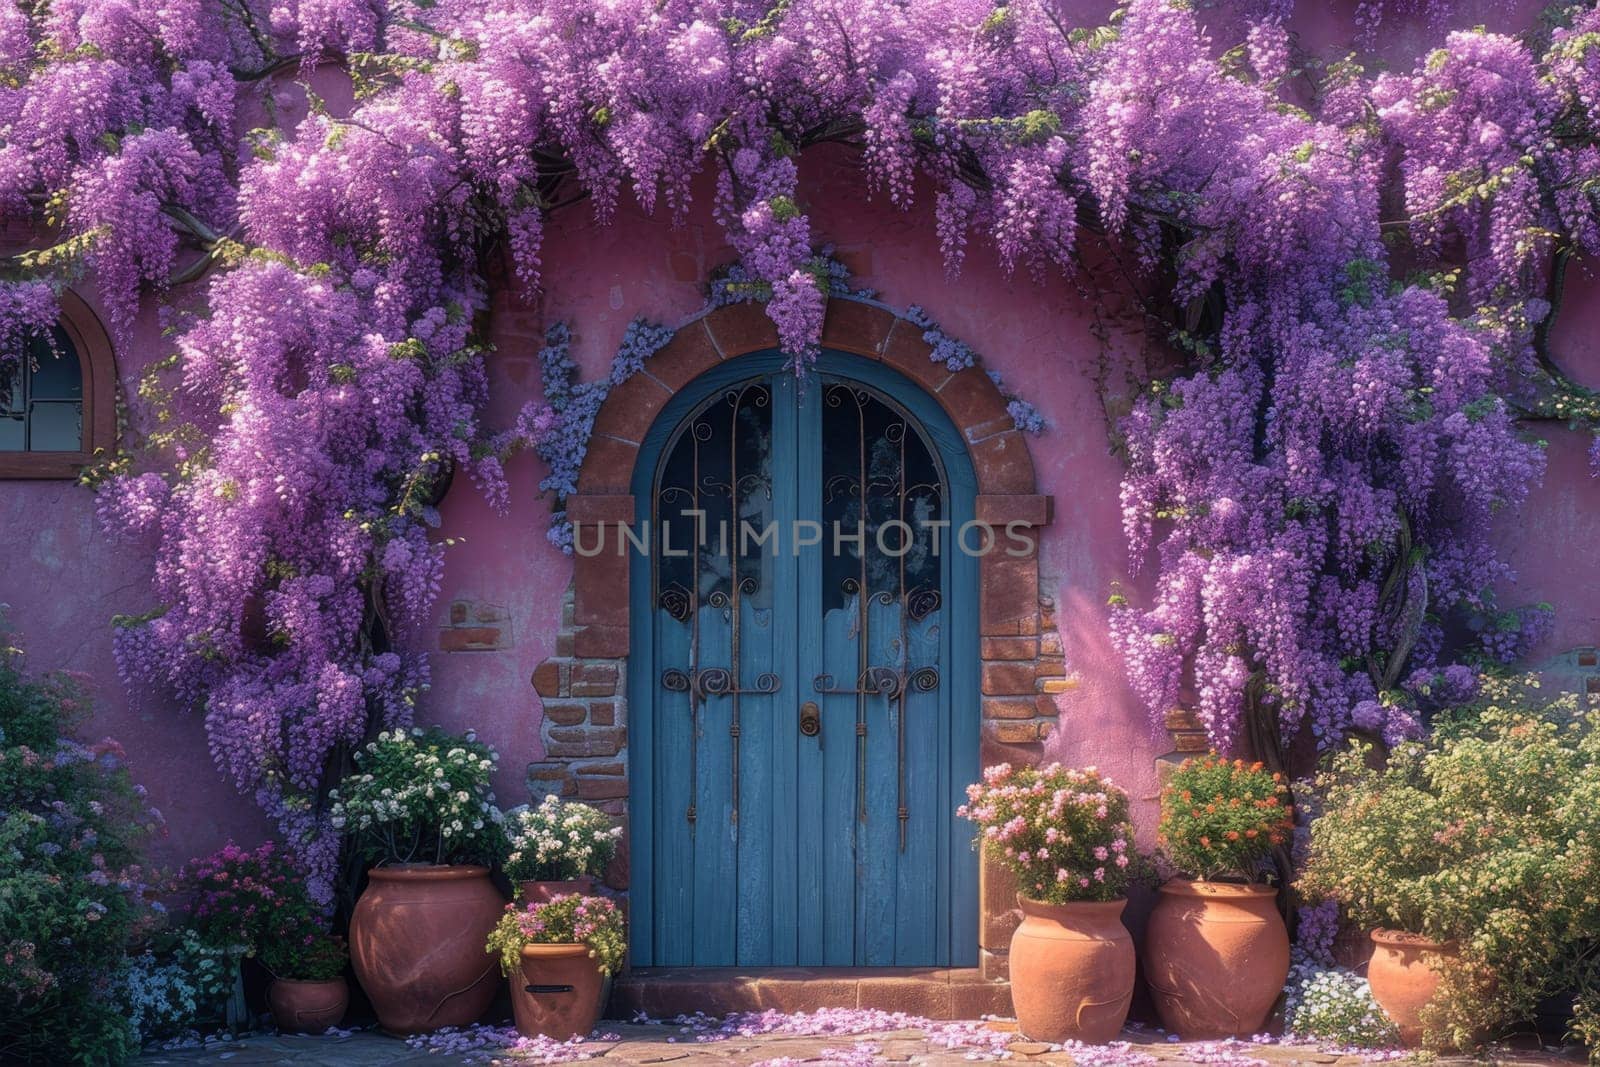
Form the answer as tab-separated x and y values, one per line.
585	728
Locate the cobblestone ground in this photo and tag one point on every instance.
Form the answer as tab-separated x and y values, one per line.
627	1043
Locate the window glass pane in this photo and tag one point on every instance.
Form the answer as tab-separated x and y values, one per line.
11	433
56	426
56	374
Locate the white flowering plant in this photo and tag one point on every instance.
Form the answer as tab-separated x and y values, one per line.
559	841
1336	1007
421	796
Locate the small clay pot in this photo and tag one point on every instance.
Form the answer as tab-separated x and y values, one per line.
417	940
1404	978
307	1007
558	992
1072	969
1216	956
542	892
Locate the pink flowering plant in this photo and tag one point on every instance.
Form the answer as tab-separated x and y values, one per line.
567	919
1064	833
247	898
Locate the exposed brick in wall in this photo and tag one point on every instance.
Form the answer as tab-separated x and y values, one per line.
475	627
585	729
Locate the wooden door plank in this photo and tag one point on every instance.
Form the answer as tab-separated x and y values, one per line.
785	813
813	850
918	874
759	813
715	842
878	833
673	896
838	800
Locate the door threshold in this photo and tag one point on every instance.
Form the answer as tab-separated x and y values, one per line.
930	992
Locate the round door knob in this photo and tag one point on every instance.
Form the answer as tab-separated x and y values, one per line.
810	719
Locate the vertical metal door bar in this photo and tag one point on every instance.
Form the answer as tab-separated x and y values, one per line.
905	656
736	580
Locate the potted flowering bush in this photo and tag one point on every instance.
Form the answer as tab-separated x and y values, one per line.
1065	835
308	992
1382	849
1473	856
420	810
1217	950
239	901
255	903
558	954
558	847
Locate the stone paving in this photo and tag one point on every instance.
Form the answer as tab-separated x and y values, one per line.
641	1044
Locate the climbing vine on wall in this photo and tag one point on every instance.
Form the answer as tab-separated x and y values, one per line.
1313	485
559	427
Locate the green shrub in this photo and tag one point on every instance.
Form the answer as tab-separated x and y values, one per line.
1487	834
72	891
176	985
558	841
309	956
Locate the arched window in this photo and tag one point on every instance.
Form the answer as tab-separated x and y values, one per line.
57	403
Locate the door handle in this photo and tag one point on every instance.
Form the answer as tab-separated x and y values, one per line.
810	719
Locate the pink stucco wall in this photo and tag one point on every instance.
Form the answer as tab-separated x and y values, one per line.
63	580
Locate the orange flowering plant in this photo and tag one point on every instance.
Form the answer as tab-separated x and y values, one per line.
1221	818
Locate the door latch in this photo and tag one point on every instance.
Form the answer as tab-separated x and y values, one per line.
810	719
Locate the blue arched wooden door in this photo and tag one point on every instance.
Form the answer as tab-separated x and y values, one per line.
802	689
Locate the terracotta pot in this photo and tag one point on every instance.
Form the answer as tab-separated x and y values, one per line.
307	1007
416	940
1403	979
541	892
1216	956
1072	971
558	992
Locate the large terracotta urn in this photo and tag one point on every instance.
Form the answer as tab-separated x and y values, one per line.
536	892
558	992
1404	979
1072	969
416	940
1216	957
307	1007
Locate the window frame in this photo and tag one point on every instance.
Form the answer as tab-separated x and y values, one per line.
98	370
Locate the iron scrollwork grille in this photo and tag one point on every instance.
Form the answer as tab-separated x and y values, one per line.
719	576
883	476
